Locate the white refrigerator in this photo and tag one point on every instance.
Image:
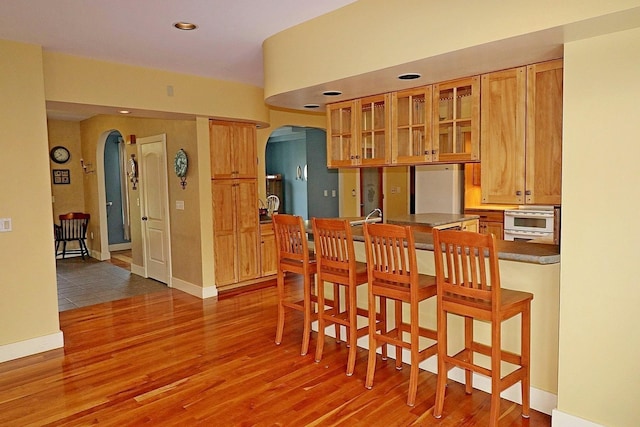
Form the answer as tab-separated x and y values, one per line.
439	189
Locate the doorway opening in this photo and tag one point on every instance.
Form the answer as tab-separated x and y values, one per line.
117	198
371	195
296	161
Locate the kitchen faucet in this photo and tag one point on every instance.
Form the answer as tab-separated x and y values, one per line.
371	213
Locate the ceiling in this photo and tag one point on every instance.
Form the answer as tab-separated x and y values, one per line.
227	44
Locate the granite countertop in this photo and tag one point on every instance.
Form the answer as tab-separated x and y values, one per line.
533	253
430	219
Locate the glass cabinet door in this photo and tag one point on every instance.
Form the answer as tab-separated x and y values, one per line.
412	125
340	134
457	114
374	131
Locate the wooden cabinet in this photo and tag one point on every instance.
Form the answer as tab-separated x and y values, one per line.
522	135
233	150
470	225
544	133
234	187
235	229
456	120
411	123
358	132
341	134
491	221
269	257
503	136
375	131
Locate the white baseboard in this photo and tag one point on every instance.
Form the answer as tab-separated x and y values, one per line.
561	419
99	255
195	290
31	346
138	269
120	247
540	400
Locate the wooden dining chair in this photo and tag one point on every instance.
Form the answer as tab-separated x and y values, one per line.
393	274
294	257
468	280
337	264
72	228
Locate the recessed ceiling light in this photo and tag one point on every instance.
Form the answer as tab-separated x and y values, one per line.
409	76
124	112
186	26
311	106
332	93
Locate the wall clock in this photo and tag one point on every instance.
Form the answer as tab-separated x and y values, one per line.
59	154
180	165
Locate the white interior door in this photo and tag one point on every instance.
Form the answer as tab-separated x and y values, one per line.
154	208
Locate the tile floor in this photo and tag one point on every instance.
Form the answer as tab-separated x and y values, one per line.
87	282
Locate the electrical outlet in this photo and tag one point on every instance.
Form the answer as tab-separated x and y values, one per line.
326	193
333	193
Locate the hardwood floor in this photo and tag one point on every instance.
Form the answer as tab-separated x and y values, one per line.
168	358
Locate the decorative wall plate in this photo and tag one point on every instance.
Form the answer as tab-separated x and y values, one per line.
180	165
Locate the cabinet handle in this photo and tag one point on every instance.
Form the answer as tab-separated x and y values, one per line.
527	193
518	193
353	157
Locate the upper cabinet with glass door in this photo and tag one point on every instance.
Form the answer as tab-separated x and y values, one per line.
411	124
341	134
375	139
456	120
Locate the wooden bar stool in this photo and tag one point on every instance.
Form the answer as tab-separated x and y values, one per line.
468	280
337	264
294	257
393	274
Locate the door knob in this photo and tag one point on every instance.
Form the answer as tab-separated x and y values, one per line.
144	218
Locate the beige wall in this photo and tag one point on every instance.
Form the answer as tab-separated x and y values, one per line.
72	79
67	197
185	224
28	307
371	35
599	376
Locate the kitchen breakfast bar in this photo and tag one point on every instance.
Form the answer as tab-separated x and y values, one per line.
529	267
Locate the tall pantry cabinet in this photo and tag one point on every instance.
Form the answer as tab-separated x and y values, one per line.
236	232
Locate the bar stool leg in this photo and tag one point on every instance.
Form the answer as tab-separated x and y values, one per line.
494	412
280	325
371	364
352	331
307	315
525	354
321	323
398	320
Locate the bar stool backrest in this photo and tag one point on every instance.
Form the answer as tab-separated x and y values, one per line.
391	255
291	238
468	266
333	242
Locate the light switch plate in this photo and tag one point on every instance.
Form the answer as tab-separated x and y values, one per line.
180	205
5	224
